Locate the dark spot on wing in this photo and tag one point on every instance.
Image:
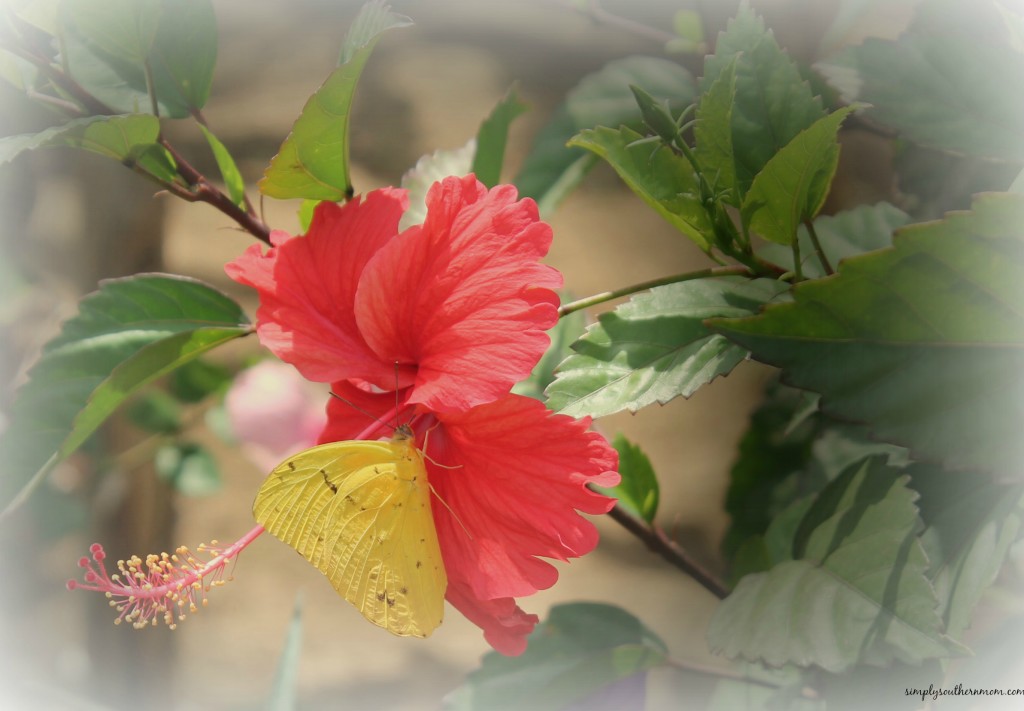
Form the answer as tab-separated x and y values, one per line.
330	484
381	596
404	590
419	564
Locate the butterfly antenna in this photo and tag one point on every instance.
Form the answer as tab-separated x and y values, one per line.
396	394
445	504
359	409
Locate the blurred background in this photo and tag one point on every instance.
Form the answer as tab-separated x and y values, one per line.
71	219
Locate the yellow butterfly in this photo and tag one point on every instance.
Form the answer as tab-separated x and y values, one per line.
360	512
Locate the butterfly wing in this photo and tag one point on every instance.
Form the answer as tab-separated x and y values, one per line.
360	512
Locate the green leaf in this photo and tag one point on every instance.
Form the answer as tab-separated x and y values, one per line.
312	163
228	170
662	178
599	99
127	139
942	91
126	335
125	29
713	135
428	170
562	336
109	46
185	52
155	412
581	650
656	347
689	30
198	379
923	342
284	694
843	235
189	468
793	185
638	490
772	101
492	137
859	594
972	522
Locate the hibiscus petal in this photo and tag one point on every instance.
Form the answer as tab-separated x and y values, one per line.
511	476
307	288
464	296
505	625
359	414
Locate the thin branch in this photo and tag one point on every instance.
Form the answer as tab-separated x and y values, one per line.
822	257
644	286
658	542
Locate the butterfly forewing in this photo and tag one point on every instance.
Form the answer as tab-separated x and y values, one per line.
360	512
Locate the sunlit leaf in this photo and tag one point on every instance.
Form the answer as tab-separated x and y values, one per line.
582	651
599	99
638	490
129	333
923	342
125	29
658	175
656	347
857	594
563	334
794	183
312	163
428	170
228	170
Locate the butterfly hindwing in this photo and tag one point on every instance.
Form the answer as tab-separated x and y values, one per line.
360	512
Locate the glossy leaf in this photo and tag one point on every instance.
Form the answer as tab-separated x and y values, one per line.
189	468
942	91
129	333
794	183
600	99
656	347
658	175
858	594
773	102
228	170
492	137
312	163
581	651
843	235
638	490
923	342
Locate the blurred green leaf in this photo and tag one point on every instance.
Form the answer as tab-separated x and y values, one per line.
858	594
658	175
284	694
972	522
155	412
129	333
923	342
313	163
602	98
580	651
109	46
189	468
689	29
846	234
656	347
638	490
492	137
125	29
772	103
794	183
943	90
228	170
198	379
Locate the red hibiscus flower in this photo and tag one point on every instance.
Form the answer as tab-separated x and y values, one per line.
459	307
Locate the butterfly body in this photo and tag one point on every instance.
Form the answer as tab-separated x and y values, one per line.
360	512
